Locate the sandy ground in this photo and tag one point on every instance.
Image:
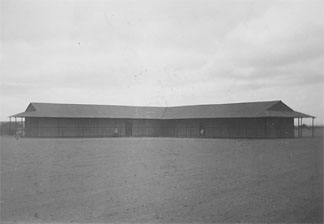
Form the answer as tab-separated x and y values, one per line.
161	180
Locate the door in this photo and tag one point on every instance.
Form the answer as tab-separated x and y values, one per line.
202	130
128	128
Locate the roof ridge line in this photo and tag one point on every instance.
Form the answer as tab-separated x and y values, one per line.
164	111
274	102
211	104
266	109
81	104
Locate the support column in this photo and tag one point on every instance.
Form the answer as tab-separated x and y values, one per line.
312	126
297	127
301	127
9	125
22	127
16	125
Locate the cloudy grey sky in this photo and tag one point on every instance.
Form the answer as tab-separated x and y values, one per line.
158	53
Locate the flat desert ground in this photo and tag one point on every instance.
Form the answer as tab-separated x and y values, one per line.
166	180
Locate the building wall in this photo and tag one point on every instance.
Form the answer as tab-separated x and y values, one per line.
236	128
146	127
230	128
217	128
280	127
181	128
90	127
209	128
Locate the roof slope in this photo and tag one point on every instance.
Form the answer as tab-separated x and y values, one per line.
91	111
219	110
234	110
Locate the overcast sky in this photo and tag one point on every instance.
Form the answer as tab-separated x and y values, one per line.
161	53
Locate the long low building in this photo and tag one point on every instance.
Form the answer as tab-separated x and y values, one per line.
271	119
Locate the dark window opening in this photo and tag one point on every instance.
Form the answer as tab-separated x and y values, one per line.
128	128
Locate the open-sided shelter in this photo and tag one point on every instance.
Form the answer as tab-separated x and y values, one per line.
270	119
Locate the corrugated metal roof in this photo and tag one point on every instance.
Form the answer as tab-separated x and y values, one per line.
219	110
91	111
234	110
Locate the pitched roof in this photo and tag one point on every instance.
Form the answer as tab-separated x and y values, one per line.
233	110
90	111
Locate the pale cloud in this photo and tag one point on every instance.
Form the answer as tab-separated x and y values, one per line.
161	52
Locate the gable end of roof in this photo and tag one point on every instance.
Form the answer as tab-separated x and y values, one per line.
30	108
279	106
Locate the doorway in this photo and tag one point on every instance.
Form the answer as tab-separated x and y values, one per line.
202	130
128	128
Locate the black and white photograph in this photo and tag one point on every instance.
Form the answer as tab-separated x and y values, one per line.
161	111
